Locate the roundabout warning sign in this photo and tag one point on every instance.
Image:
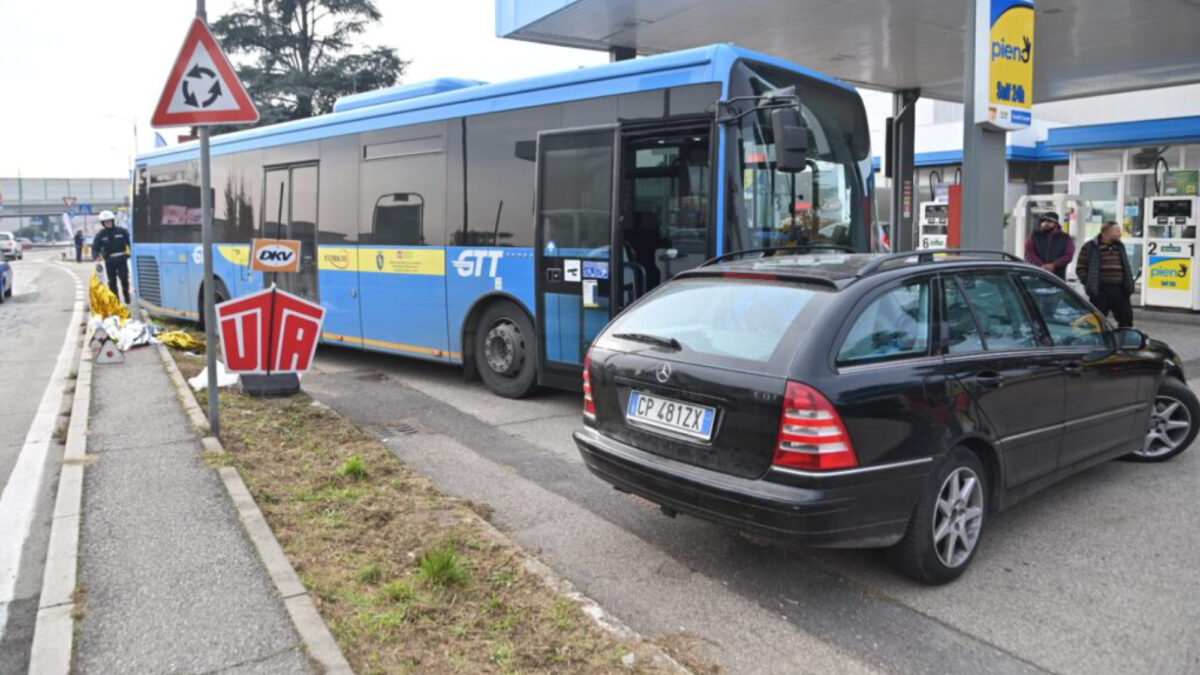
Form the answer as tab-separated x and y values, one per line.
202	87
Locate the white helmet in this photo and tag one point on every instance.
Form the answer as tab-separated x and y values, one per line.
108	215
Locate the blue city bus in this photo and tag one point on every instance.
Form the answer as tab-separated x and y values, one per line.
501	226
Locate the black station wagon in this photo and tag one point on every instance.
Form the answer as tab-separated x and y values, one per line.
850	400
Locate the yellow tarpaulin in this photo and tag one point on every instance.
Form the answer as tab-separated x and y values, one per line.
105	303
181	340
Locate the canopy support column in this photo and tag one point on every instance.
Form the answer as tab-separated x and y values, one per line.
984	162
900	167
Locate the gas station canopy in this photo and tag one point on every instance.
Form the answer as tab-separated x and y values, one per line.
1084	47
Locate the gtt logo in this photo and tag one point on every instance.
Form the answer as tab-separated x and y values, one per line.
471	262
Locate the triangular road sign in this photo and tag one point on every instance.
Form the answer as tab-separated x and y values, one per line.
202	88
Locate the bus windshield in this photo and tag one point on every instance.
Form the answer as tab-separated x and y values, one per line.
824	204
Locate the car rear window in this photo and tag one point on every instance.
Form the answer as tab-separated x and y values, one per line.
732	318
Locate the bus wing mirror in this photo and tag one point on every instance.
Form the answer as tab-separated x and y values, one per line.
791	139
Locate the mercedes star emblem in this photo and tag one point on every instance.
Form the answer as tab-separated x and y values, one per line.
663	373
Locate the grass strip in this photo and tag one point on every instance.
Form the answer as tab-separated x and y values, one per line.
407	578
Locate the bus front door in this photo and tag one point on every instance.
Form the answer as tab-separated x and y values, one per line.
290	212
574	263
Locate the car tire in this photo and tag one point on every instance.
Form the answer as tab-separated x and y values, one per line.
955	501
506	350
1175	405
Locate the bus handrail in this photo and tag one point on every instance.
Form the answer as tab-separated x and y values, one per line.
927	255
773	250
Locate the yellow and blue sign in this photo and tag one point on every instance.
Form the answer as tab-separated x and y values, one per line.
1172	274
1004	43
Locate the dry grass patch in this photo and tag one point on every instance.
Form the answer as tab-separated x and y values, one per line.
408	579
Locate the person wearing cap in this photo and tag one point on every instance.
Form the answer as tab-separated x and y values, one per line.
112	244
1049	247
78	246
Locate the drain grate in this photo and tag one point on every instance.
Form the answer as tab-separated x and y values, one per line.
394	429
374	376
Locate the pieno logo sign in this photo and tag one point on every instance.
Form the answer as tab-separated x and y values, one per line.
275	255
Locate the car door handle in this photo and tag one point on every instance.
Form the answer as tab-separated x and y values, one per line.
1073	369
990	379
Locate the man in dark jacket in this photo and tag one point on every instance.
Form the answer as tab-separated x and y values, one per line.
1049	247
1103	267
78	246
112	244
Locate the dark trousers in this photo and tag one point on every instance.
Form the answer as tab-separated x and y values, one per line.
117	267
79	252
1113	298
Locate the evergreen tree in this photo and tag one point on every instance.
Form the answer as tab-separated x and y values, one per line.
300	54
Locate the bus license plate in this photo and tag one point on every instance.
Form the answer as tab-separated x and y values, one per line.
670	415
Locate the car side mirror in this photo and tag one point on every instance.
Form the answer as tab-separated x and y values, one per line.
1130	338
791	139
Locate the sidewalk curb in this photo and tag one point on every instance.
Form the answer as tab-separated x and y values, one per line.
54	630
317	639
184	392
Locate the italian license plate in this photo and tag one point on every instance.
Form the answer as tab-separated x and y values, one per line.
670	415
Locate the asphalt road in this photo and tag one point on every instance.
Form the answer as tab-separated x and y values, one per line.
33	324
1095	575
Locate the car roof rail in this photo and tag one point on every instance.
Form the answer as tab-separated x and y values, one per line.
772	251
930	255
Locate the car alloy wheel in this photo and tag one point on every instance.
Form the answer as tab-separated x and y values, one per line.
958	517
1170	424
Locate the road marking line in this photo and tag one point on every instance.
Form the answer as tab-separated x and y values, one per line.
19	498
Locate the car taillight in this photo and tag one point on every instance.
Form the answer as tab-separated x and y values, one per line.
811	433
589	406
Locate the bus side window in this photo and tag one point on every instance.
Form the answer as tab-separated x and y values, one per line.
399	219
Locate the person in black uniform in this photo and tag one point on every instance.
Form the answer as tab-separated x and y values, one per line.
112	244
78	246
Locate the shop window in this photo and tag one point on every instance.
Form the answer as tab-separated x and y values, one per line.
1098	161
1191	157
1147	158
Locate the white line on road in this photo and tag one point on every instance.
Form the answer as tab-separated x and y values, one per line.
19	498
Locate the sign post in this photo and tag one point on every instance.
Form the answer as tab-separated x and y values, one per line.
202	90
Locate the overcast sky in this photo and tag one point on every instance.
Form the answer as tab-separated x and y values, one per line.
77	73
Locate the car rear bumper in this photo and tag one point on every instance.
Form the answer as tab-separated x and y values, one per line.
843	509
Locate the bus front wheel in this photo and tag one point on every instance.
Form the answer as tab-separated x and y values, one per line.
505	350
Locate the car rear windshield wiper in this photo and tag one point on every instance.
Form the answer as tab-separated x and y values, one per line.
670	343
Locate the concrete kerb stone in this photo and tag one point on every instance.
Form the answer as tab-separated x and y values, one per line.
194	412
54	628
317	639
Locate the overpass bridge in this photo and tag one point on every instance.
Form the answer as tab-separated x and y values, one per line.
42	201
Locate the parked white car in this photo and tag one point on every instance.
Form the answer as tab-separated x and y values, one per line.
10	248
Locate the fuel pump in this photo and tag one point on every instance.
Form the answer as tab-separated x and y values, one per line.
934	226
1170	257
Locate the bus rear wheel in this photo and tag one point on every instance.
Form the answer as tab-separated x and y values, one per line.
505	350
220	294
